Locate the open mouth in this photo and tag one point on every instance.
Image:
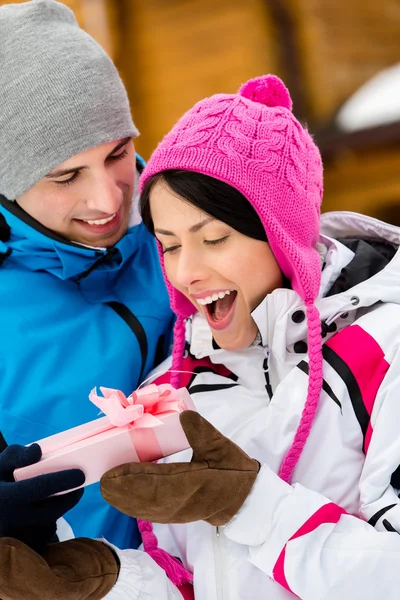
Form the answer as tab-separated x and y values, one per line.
220	312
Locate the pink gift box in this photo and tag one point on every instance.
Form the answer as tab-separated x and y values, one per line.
141	428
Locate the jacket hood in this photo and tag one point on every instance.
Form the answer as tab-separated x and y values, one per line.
374	272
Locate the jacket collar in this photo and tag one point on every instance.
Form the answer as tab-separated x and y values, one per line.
336	258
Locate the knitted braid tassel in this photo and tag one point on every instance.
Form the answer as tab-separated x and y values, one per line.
174	569
177	354
315	379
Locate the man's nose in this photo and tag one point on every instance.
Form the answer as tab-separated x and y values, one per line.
105	195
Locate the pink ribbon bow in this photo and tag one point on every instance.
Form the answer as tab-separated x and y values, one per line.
141	408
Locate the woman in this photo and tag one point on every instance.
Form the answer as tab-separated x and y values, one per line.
292	354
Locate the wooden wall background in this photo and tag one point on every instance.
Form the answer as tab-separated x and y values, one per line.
171	53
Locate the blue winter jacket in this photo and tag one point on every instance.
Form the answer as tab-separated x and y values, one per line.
73	318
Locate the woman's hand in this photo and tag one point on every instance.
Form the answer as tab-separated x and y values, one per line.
80	569
212	487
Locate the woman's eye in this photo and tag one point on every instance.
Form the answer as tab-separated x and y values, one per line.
216	242
68	181
170	249
119	156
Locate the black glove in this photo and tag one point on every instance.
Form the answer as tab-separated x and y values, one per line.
26	510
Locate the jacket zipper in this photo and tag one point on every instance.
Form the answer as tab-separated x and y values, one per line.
219	557
268	385
105	257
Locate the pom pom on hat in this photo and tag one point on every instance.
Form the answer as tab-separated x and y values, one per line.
268	90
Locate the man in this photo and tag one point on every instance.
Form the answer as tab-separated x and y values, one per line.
82	300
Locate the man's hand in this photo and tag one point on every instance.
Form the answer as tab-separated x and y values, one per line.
212	487
80	569
27	512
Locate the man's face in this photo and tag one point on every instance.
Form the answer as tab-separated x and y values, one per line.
87	198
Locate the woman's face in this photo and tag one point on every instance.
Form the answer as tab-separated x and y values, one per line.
224	273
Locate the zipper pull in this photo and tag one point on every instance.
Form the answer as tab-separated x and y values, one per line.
268	386
217	531
266	360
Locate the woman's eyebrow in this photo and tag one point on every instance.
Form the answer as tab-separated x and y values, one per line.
192	229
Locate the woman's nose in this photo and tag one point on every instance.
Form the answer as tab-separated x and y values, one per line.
191	268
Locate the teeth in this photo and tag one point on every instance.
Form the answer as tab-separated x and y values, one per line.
100	221
206	300
213	298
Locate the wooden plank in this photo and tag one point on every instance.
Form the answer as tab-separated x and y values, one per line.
175	53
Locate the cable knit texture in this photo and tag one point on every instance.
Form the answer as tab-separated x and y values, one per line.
253	142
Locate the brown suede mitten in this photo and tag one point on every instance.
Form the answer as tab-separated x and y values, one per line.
212	487
79	569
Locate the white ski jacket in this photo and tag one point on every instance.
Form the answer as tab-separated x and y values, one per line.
311	538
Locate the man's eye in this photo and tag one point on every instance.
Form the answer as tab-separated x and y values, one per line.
119	156
68	181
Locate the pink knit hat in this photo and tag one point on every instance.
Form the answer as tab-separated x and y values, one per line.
252	141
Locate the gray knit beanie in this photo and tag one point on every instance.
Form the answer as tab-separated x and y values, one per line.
60	93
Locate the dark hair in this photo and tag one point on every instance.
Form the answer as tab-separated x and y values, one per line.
217	198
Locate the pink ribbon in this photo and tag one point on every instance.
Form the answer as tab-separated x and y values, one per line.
141	408
141	411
